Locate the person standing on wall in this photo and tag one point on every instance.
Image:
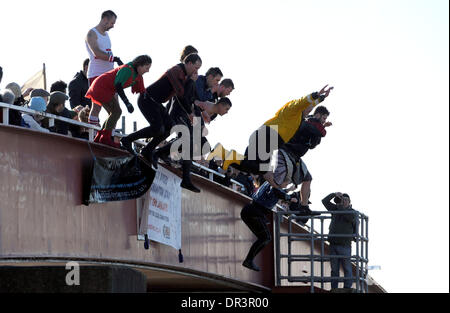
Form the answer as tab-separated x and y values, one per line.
101	58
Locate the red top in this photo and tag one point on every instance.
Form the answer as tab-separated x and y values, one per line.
102	89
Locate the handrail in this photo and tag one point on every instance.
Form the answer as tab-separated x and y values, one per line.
6	107
317	239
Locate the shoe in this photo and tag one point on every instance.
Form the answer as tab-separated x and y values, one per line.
188	185
305	211
98	135
148	156
154	159
106	139
126	144
217	151
232	158
250	265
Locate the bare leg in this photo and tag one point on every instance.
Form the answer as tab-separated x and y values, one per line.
305	192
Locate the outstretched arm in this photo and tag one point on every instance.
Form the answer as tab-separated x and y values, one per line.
324	92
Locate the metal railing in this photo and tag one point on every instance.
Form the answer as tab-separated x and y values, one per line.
5	107
317	246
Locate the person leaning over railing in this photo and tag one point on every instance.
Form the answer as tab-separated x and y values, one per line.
15	118
6	96
341	224
33	121
56	106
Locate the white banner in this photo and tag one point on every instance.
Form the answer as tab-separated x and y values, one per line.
163	205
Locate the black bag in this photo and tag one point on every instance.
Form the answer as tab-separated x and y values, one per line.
118	179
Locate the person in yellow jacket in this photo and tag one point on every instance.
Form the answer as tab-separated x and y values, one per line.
272	134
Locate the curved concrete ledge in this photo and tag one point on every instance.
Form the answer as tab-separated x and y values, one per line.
42	216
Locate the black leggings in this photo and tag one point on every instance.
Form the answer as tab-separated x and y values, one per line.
253	216
253	156
160	122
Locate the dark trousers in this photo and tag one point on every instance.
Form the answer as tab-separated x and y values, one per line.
253	216
158	118
262	143
345	252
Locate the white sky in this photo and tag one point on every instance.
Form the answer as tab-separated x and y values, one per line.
388	60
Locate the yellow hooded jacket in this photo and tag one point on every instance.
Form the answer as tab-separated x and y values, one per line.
289	117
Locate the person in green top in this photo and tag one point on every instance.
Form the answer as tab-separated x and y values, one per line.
103	90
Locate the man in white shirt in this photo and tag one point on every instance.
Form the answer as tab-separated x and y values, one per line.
101	58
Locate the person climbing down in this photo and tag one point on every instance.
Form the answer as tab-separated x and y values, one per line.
104	88
171	84
254	216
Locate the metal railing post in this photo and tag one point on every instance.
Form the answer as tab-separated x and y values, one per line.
366	218
322	252
312	254
289	240
357	258
277	248
5	116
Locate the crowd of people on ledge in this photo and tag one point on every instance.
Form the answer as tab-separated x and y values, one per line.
179	100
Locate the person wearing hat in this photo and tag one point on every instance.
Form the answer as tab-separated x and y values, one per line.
341	224
39	92
15	117
56	106
33	121
20	98
7	96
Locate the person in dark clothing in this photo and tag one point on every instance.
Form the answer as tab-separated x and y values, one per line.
308	136
7	96
59	86
15	117
254	216
341	224
247	181
310	133
205	84
78	87
56	106
182	112
171	84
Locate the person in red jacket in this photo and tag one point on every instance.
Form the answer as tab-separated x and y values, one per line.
104	88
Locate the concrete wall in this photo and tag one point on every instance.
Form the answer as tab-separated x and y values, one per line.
42	216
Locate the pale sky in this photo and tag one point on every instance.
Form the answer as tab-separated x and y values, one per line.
387	59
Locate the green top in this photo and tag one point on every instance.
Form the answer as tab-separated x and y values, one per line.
124	75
